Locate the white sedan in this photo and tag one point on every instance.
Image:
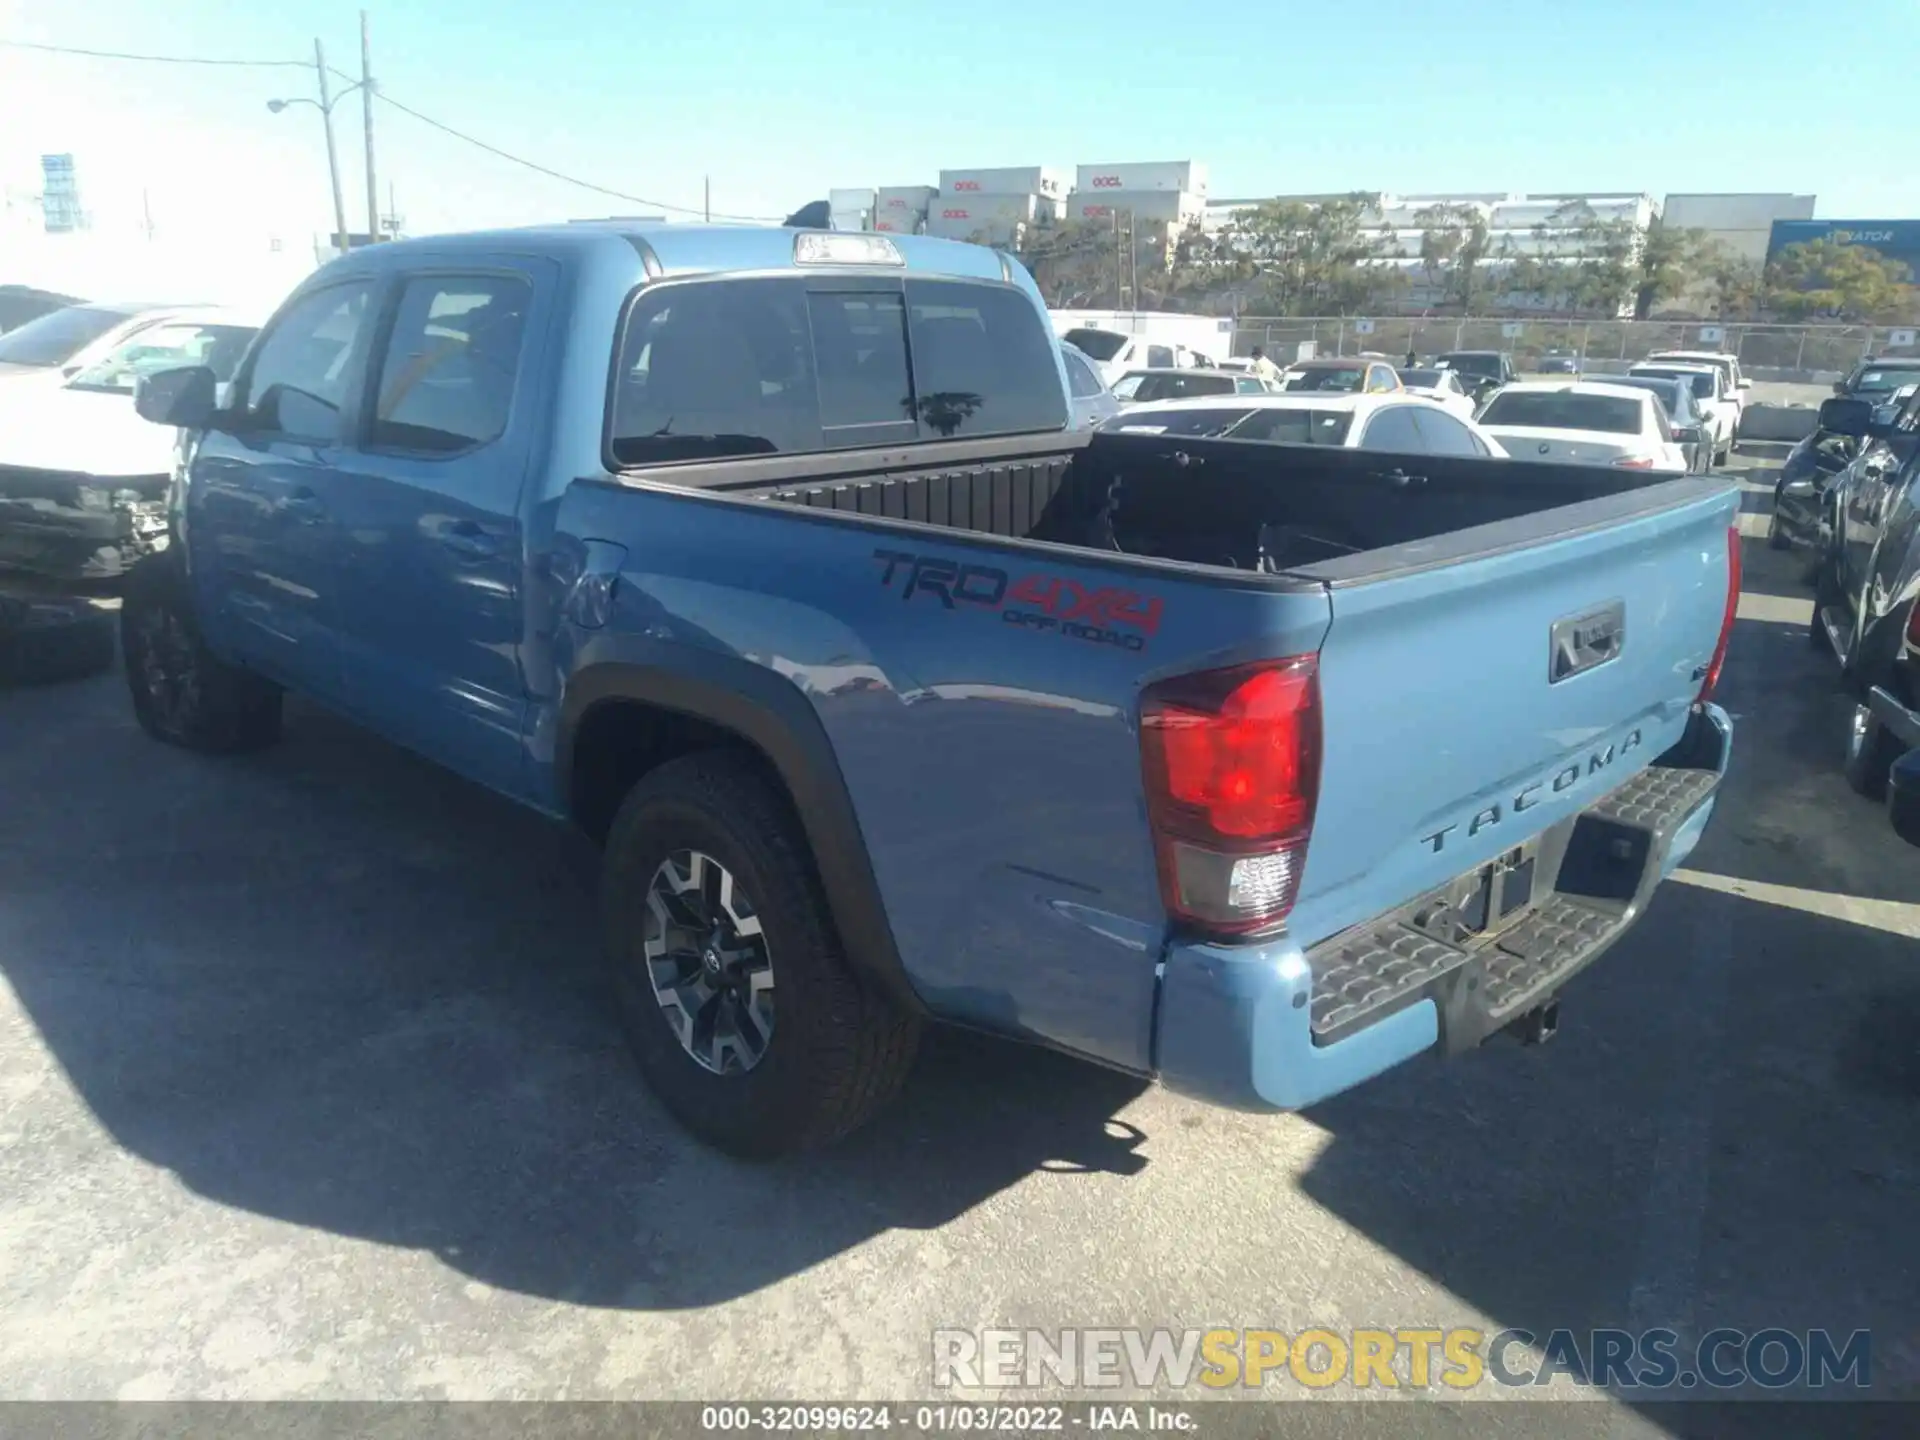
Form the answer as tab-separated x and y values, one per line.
1443	387
1584	423
1396	422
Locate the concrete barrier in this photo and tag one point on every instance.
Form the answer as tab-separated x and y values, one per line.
1790	423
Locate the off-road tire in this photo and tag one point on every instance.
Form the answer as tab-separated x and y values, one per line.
839	1050
182	694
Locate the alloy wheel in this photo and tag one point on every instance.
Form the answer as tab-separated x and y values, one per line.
708	963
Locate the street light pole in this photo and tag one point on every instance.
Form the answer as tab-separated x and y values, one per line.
333	157
366	127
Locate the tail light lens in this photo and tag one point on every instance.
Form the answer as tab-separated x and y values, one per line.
1634	462
1913	626
1726	619
1232	769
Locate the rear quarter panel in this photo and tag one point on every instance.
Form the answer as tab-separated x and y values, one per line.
992	756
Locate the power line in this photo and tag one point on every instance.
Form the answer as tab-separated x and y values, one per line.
151	59
382	95
538	168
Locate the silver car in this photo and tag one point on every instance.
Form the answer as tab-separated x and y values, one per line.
1092	400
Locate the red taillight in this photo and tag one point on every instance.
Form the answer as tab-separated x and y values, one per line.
1232	764
1913	627
1726	619
1634	462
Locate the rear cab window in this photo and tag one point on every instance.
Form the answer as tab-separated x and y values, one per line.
1552	410
728	367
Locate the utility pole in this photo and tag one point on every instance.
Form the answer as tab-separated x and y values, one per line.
706	204
333	157
366	127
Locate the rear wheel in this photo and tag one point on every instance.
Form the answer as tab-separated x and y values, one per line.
727	972
181	692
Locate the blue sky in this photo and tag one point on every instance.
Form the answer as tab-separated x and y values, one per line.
777	101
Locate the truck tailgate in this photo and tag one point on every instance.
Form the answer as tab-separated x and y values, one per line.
1471	702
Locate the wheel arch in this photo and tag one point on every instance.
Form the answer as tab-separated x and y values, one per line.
621	718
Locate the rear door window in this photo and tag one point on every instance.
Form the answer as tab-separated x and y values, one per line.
1442	434
1080	377
446	381
1393	429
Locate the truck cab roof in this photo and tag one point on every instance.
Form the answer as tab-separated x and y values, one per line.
663	250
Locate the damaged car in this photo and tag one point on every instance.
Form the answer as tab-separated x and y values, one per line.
83	480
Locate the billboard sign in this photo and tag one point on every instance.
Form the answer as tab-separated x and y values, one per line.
1895	239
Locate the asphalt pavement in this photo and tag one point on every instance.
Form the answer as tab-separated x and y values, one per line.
308	1088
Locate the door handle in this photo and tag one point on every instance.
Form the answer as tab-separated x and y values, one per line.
469	541
1397	476
304	506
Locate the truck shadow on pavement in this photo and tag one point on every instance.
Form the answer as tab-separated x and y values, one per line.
334	986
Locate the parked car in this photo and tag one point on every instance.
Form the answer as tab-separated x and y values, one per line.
1709	393
1483	371
1138	387
1560	362
1692	427
1875	379
21	303
1733	385
51	348
1405	425
1115	354
1864	611
83	479
1341	376
798	661
1583	422
1804	487
1443	387
1092	400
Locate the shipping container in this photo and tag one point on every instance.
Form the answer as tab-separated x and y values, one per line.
1189	176
912	198
894	222
997	209
850	220
849	200
1050	180
1173	207
1003	233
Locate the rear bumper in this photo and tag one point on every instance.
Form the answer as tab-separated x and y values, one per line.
1275	1027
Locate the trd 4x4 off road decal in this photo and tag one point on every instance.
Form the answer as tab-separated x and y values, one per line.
1050	604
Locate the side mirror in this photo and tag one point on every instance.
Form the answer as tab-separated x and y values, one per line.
1839	387
1743	383
1689	436
183	397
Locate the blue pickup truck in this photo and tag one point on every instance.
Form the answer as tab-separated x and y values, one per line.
767	558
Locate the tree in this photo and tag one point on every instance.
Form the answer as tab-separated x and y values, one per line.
1672	261
1316	258
1821	280
1074	264
1732	285
1453	244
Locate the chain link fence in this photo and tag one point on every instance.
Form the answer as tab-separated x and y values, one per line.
1813	353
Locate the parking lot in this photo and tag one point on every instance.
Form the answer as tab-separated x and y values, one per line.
308	1088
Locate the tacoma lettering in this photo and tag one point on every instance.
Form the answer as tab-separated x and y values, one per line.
1525	799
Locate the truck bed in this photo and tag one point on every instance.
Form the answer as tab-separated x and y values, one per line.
1279	509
